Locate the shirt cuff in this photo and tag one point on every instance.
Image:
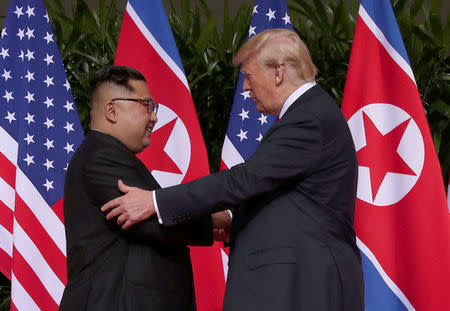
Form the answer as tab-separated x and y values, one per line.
155	204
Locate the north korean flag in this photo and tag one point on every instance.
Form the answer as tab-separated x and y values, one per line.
177	151
401	217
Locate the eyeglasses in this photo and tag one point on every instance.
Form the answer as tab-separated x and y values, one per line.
152	106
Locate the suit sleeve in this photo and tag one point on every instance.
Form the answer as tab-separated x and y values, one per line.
290	152
100	176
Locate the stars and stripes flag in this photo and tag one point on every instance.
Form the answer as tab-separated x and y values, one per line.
39	131
401	216
246	125
177	151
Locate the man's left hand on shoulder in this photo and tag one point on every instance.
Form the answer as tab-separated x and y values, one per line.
134	206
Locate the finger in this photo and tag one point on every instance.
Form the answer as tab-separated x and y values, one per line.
122	187
228	229
219	235
229	219
121	219
216	234
127	224
111	204
114	213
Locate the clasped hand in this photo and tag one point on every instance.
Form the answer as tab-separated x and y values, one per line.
221	223
137	205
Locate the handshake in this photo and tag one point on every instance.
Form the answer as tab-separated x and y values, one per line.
221	222
137	205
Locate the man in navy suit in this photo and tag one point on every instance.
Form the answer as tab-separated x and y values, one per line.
292	243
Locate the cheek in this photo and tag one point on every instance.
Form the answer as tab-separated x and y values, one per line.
144	122
136	125
264	88
141	118
245	84
253	87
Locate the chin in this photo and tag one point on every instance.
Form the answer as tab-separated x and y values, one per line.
261	110
145	144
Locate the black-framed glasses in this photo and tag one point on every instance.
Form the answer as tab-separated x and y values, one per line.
152	106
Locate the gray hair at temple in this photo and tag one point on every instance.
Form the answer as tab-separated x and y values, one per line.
279	47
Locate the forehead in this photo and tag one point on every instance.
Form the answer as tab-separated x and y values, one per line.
250	65
140	89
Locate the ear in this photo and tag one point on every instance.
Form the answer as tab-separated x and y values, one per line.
278	74
110	111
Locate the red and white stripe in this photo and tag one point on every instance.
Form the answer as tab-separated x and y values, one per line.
32	237
230	156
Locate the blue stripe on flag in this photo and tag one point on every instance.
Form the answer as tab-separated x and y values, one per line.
153	16
383	16
377	295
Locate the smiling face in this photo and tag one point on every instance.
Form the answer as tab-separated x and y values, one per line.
134	124
262	86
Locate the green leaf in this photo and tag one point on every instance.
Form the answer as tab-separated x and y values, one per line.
322	13
185	12
415	7
436	5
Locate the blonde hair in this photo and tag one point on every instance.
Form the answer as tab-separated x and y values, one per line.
279	47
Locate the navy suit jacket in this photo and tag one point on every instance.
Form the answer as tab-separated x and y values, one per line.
293	242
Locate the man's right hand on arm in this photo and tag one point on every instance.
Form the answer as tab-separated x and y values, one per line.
134	206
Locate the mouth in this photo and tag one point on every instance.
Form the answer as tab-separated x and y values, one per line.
148	131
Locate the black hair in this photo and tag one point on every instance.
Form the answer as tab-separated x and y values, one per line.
119	75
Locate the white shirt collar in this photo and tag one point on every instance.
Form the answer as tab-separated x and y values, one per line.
92	129
294	96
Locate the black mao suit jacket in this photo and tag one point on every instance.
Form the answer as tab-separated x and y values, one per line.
144	268
293	243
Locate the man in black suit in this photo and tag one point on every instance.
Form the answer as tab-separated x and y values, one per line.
147	267
293	243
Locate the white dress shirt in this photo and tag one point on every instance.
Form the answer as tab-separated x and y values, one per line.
294	96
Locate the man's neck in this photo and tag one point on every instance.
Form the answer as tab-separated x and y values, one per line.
294	95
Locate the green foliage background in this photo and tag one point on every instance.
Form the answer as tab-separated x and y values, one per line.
88	40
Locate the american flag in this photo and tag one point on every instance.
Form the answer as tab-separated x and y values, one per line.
39	131
247	126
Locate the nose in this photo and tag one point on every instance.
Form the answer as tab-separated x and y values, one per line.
153	117
245	85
